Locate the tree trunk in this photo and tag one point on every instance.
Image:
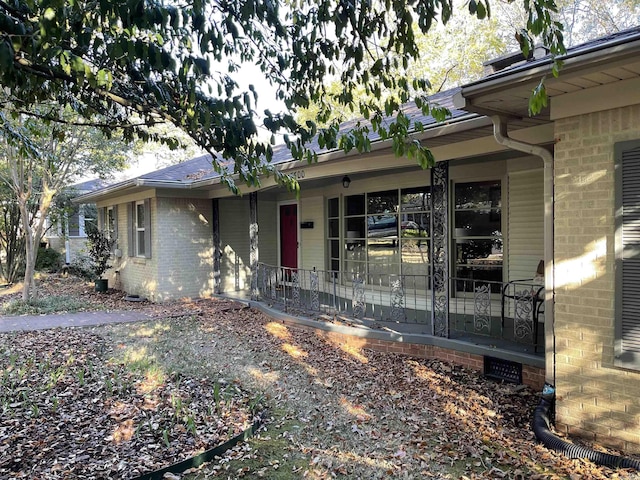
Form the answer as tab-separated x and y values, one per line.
29	287
33	235
29	284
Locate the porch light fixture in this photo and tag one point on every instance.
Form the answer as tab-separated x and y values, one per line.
346	181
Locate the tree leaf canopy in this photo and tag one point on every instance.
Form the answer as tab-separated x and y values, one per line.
137	63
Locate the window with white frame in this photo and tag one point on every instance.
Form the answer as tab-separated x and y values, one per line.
333	229
140	236
78	220
139	231
75	222
110	224
385	233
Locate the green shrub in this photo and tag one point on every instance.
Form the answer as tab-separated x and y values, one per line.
49	260
99	250
82	266
45	305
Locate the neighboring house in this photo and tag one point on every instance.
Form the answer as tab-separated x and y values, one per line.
432	252
68	234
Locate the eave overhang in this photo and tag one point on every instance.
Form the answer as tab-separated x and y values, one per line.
435	134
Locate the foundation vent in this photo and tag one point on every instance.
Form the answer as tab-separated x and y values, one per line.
505	370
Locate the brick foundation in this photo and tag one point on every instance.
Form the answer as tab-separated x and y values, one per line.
531	376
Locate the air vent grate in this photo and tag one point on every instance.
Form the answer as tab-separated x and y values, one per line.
505	370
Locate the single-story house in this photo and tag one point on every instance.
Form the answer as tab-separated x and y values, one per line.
440	254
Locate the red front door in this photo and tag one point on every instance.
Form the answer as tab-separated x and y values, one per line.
289	236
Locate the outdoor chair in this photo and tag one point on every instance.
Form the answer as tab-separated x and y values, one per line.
527	296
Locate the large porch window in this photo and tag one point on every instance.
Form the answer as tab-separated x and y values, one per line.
388	233
477	232
384	234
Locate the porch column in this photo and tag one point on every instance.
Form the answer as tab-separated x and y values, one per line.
440	249
217	250
253	243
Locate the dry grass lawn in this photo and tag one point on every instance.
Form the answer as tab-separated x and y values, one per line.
150	393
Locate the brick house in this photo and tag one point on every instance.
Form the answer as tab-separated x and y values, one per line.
591	228
432	255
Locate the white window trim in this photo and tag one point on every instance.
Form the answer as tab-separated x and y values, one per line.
81	229
138	229
399	214
108	217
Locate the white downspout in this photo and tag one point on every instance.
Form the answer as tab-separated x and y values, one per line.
502	137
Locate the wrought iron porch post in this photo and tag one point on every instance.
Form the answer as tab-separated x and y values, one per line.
253	243
440	249
217	251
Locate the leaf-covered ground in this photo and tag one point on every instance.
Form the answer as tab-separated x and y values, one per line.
72	406
332	411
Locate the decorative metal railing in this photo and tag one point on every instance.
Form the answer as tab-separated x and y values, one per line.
511	311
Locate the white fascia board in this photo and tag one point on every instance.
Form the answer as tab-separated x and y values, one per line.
466	122
573	61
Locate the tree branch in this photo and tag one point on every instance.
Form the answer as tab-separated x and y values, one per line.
446	77
90	124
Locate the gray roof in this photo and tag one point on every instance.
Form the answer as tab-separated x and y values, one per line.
89	185
195	168
200	168
600	43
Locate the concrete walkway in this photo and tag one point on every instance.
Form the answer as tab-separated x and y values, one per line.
81	319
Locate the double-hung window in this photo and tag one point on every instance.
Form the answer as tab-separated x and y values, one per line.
111	223
140	229
139	214
108	223
627	306
75	222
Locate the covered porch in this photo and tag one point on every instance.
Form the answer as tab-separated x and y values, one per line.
503	315
450	253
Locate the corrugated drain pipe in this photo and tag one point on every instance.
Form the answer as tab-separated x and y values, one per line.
541	413
549	440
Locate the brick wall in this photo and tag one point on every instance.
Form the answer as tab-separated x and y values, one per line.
594	399
77	245
135	276
184	247
531	376
181	263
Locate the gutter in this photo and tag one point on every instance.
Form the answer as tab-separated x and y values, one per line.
153	183
133	183
579	57
462	123
502	137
